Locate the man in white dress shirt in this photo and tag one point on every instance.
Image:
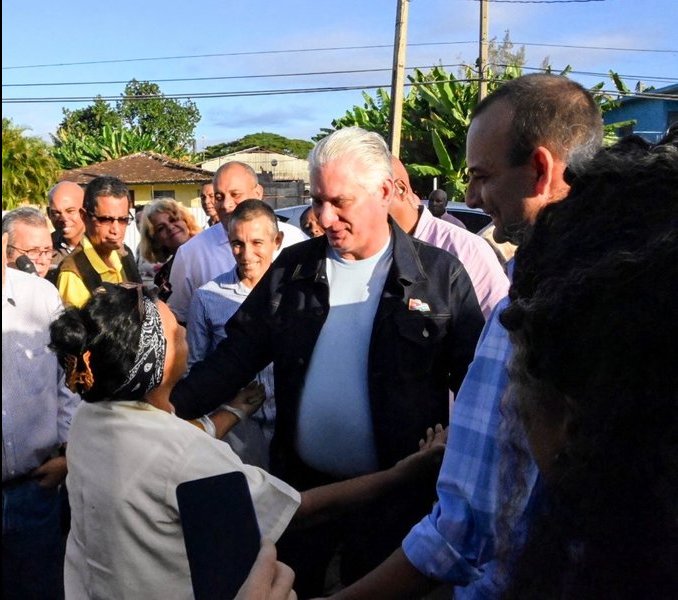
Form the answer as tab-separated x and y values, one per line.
37	408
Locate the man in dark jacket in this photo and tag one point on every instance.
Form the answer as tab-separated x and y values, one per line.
368	330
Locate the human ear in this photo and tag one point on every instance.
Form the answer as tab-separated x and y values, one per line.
542	163
388	190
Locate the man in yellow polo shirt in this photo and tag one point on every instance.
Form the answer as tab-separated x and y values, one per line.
102	254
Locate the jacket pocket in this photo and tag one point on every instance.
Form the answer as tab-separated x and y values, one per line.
419	342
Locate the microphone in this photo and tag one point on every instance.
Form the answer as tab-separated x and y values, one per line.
25	264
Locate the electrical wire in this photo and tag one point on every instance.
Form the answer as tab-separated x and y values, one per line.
278	92
332	48
318	73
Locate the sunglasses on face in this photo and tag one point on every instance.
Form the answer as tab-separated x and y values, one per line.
103	220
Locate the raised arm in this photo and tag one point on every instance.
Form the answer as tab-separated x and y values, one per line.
327	502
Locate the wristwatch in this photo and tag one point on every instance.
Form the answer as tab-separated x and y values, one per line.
238	412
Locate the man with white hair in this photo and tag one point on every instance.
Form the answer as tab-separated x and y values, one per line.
521	139
28	235
37	408
368	330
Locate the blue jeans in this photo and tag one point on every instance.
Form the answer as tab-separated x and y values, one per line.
32	543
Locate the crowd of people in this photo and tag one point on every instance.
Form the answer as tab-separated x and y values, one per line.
412	418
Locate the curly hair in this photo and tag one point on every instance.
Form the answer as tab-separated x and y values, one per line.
150	249
109	327
593	322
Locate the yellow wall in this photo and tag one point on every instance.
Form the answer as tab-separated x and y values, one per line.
187	194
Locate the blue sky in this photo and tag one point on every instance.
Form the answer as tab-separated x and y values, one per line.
440	31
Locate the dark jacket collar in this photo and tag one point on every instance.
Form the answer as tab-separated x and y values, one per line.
406	268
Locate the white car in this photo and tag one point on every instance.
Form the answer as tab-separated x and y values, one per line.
291	214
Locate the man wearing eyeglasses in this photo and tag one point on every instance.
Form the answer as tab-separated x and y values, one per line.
102	254
29	236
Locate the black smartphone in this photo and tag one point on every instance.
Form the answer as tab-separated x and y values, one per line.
220	532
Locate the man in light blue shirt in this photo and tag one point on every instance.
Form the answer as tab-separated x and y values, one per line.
254	238
37	409
521	139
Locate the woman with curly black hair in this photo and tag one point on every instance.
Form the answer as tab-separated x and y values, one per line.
594	382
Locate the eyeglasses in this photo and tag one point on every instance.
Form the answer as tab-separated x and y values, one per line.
110	220
36	253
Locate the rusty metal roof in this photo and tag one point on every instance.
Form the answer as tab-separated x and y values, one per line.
140	168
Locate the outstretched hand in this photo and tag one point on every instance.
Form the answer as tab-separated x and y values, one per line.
427	460
436	438
249	398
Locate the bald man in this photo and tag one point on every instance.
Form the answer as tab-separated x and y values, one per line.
486	273
437	204
65	202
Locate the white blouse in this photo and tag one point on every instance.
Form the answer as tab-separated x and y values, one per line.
125	460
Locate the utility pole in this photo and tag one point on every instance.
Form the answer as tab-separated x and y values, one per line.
484	47
398	76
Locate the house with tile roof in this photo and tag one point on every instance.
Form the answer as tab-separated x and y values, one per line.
149	175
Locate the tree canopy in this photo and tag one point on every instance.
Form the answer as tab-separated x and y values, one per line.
436	116
28	167
143	119
264	140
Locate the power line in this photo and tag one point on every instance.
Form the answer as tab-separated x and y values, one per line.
278	92
319	73
246	53
218	78
657	78
328	49
595	47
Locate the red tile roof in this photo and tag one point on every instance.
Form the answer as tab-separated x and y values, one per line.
140	168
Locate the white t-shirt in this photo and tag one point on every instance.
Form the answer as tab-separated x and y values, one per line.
334	424
125	460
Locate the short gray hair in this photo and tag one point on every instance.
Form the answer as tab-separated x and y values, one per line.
367	147
28	215
251	209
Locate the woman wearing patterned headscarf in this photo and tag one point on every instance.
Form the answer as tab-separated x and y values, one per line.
127	452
